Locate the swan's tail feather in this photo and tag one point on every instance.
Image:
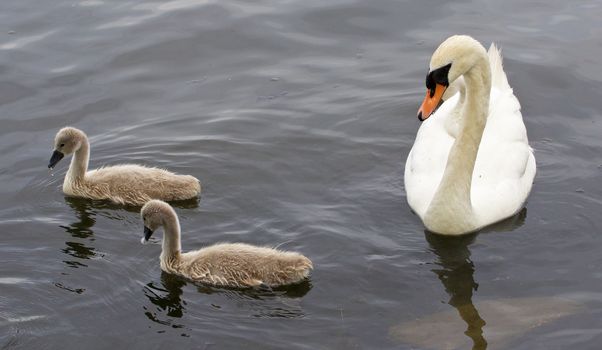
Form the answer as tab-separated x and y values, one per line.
498	76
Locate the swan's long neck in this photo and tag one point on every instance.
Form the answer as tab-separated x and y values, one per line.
171	237
79	163
451	210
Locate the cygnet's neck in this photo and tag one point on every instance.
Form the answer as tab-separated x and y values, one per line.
451	209
79	163
171	236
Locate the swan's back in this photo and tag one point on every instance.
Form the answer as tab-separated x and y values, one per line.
505	165
242	265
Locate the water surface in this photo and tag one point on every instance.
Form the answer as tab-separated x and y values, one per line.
297	116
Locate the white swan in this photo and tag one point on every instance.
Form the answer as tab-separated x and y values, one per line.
471	164
123	184
224	264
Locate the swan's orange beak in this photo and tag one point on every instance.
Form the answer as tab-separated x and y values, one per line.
431	102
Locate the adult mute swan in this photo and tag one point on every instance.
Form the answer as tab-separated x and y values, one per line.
471	164
224	264
123	184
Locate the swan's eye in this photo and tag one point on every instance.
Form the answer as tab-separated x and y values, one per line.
439	75
430	83
62	145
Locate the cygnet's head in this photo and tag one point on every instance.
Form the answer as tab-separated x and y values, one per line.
67	141
153	215
454	57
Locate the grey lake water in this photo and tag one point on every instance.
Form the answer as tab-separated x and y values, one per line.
297	117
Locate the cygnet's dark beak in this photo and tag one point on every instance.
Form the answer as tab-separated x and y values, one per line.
55	158
147	234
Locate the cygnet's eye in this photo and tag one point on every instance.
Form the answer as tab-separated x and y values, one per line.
62	145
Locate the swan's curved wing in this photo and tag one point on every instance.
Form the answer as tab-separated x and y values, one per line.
427	158
505	164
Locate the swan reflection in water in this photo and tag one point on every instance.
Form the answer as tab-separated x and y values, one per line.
487	324
456	273
166	296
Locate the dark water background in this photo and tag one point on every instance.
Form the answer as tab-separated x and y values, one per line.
297	117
